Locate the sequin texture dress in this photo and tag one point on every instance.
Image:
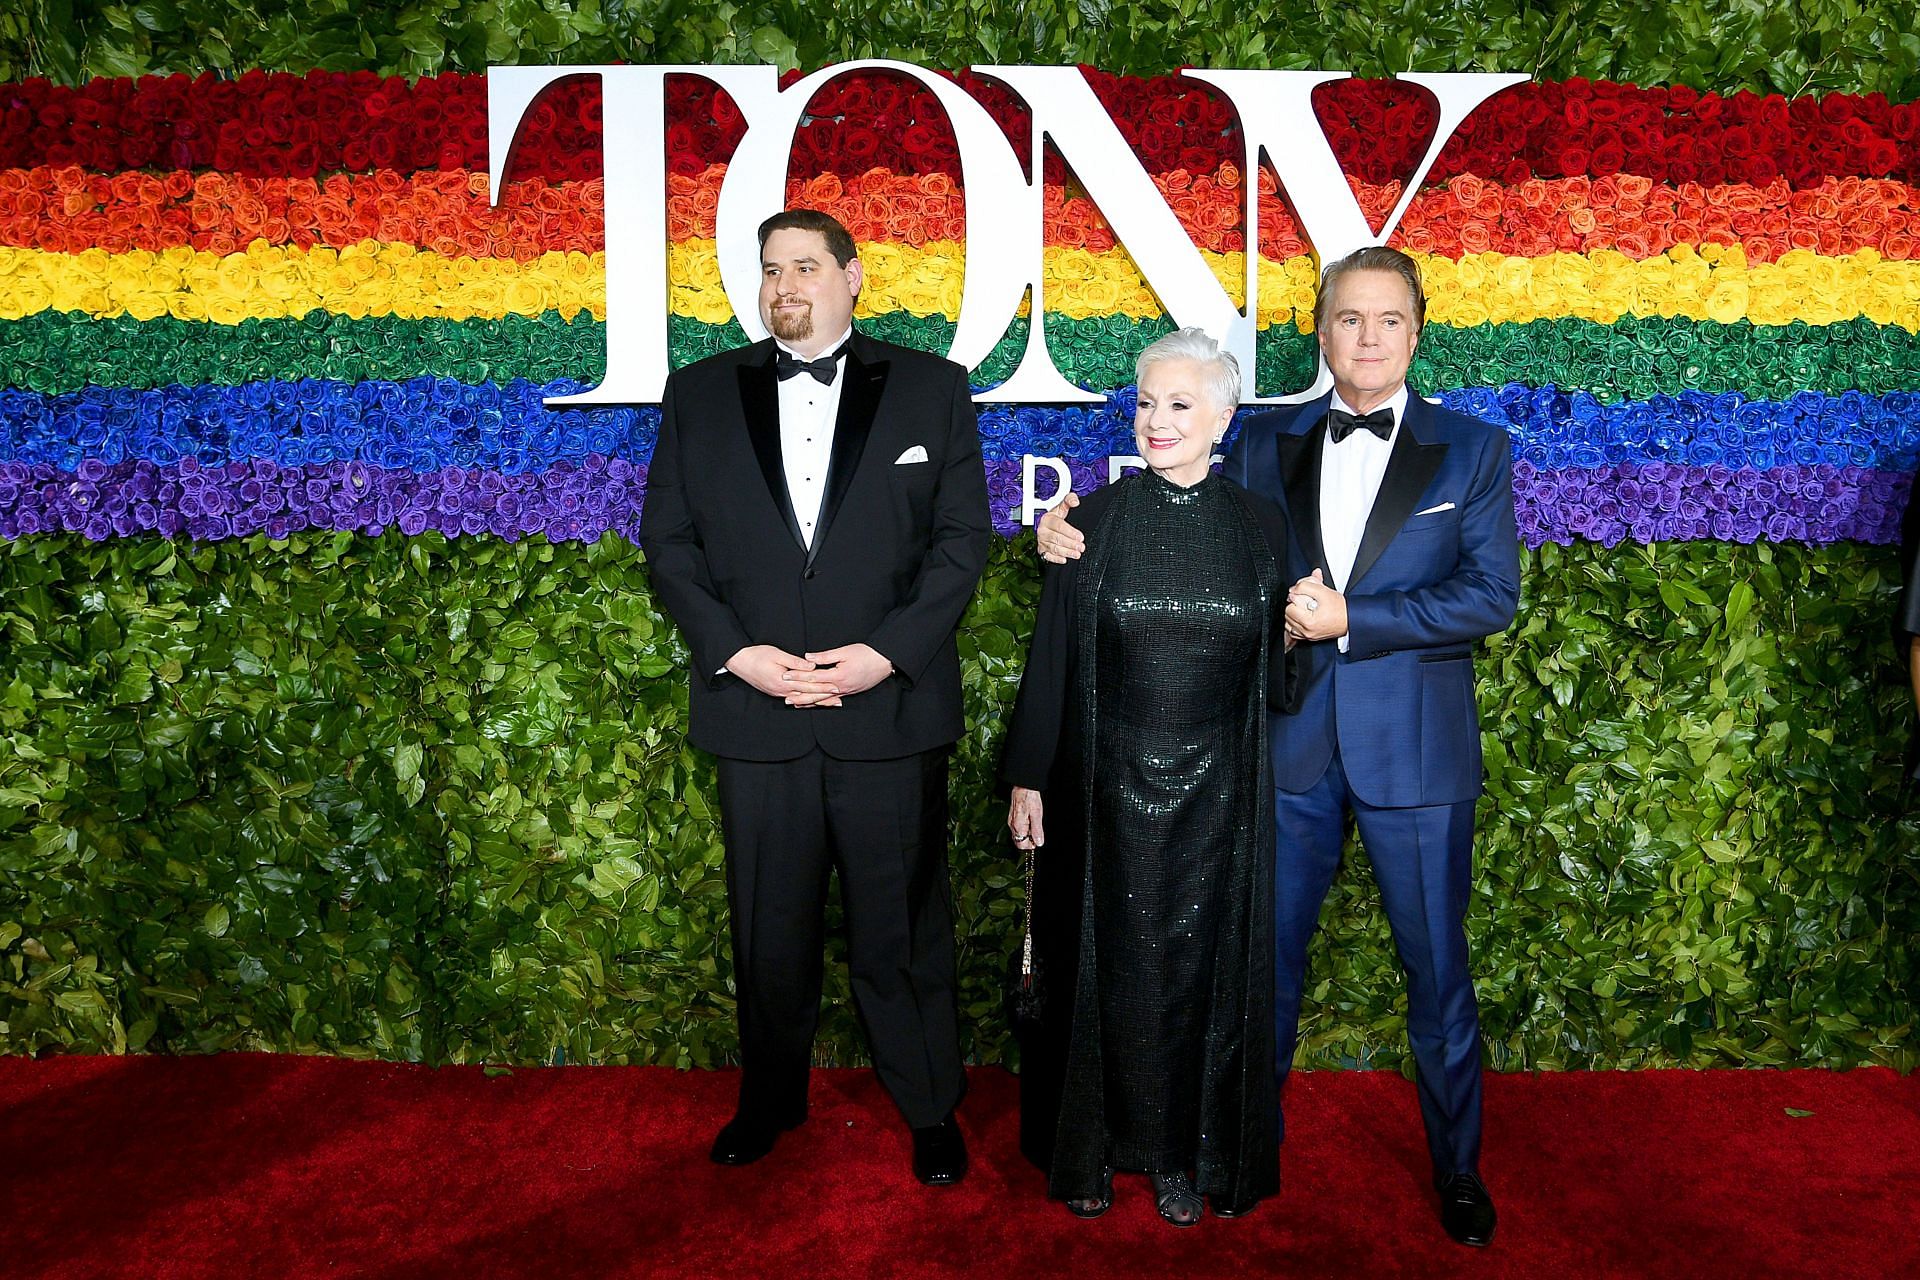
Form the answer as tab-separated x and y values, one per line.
1167	1048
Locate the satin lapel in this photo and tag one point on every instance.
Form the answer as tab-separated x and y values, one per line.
760	402
1409	471
1300	476
859	400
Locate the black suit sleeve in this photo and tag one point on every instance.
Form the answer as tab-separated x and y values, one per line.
676	560
915	631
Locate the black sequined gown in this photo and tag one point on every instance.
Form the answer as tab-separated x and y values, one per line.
1165	1054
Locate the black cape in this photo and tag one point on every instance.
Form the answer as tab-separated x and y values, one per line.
1061	1077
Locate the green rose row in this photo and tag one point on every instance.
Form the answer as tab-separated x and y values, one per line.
431	798
54	353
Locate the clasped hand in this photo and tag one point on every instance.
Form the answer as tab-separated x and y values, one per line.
1315	611
812	680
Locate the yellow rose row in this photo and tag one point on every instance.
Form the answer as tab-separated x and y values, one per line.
372	279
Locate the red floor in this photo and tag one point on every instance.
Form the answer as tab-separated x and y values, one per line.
245	1165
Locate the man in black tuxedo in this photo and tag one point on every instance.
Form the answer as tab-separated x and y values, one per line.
815	523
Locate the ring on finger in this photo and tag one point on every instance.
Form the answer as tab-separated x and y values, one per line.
1313	605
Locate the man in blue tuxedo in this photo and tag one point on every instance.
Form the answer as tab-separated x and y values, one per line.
1406	553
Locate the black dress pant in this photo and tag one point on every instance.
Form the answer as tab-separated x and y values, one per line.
883	824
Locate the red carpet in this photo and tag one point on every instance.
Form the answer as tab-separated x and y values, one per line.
244	1166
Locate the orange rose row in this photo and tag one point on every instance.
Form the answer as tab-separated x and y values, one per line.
73	210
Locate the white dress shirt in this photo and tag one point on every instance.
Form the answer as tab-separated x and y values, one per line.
808	410
1350	476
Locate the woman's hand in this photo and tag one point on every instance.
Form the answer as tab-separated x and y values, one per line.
1023	819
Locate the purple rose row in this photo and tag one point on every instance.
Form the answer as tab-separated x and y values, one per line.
1667	502
1643	502
566	502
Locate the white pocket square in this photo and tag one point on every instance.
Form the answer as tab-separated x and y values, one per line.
919	454
1434	511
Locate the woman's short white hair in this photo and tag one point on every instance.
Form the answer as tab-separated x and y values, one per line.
1222	370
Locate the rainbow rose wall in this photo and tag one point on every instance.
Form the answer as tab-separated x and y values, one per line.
342	719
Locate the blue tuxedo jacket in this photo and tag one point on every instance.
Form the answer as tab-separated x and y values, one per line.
1438	568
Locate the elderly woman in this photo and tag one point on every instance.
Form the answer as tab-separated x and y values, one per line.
1136	756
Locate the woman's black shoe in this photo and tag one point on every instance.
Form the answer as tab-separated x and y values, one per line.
1177	1201
1094	1206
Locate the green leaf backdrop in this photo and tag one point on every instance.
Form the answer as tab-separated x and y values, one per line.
431	800
1851	46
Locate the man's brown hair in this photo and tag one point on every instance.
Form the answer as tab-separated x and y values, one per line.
1375	257
839	240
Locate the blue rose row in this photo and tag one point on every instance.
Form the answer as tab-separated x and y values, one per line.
426	424
1642	502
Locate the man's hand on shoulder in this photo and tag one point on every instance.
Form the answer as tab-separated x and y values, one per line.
767	668
1059	540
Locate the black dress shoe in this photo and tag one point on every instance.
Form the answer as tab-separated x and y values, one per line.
743	1140
1466	1210
939	1154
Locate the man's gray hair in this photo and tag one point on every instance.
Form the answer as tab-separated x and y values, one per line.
1223	371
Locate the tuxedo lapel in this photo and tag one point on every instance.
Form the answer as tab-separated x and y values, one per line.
760	403
1410	470
1300	456
859	400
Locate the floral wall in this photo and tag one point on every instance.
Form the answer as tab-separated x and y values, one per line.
335	714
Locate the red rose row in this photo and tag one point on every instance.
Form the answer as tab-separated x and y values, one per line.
69	210
286	125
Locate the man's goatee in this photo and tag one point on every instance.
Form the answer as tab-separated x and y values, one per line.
791	328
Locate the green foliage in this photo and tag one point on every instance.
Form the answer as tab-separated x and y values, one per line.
1690	851
431	799
1854	46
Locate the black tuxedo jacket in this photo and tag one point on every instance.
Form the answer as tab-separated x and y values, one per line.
897	550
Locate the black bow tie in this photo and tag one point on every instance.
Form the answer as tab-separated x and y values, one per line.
786	365
1341	424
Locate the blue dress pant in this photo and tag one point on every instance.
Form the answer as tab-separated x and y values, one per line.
1422	858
